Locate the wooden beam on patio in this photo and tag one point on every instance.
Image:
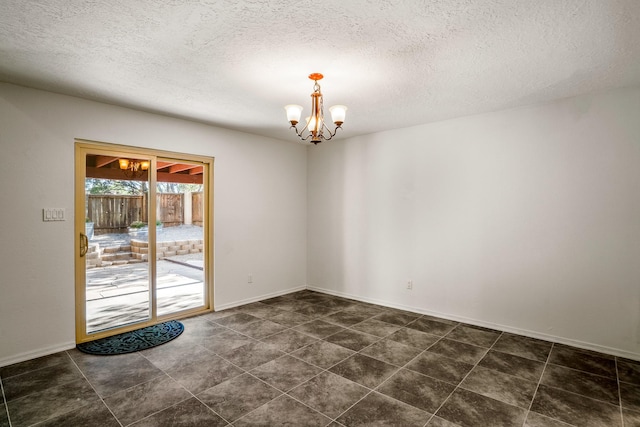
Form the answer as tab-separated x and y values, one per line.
197	170
108	173
102	161
181	167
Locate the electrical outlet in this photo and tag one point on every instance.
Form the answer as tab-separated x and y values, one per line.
409	285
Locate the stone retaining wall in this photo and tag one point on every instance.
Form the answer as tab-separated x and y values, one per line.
140	249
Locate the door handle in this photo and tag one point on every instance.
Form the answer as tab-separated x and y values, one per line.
84	244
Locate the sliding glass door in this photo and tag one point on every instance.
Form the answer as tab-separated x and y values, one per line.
117	284
143	233
179	239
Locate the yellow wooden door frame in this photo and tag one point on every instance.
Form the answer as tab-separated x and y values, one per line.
84	147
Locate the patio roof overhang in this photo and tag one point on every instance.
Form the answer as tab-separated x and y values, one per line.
107	167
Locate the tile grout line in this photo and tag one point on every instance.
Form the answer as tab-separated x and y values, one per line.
437	379
322	318
579	395
619	391
350	327
154	378
212	410
244	371
248	372
465	377
93	388
292	327
355	403
539	382
380	338
414	358
68	382
371	390
211	321
325	369
573	392
584	395
231	363
282	393
32	370
394	373
4	399
581	371
398	368
163	409
188	391
468	373
286	393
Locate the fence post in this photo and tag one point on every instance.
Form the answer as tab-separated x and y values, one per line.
188	216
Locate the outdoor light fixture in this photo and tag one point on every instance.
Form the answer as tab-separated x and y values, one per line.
133	168
315	125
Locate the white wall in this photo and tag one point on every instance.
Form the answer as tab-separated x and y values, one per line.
260	209
525	220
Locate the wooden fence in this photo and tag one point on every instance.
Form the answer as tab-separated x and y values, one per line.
114	213
170	208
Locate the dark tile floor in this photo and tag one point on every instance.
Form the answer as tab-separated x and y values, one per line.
309	359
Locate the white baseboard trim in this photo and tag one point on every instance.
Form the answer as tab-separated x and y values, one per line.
69	345
258	298
533	334
17	358
505	328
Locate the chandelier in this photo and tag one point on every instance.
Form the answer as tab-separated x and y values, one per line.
315	125
133	168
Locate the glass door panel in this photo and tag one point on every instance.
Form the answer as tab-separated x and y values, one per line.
180	243
117	280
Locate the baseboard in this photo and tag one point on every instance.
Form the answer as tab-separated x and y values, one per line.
17	358
505	328
69	345
258	298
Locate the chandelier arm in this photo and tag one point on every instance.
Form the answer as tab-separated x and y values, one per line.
331	134
301	132
306	127
324	126
295	128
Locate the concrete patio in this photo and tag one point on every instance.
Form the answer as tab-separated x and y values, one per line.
118	294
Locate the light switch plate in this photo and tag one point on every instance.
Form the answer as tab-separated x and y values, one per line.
53	214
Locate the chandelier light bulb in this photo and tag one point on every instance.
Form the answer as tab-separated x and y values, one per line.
293	113
338	112
314	124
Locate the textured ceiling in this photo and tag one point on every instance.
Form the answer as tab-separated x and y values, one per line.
236	63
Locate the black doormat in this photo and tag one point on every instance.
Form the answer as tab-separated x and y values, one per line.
129	342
